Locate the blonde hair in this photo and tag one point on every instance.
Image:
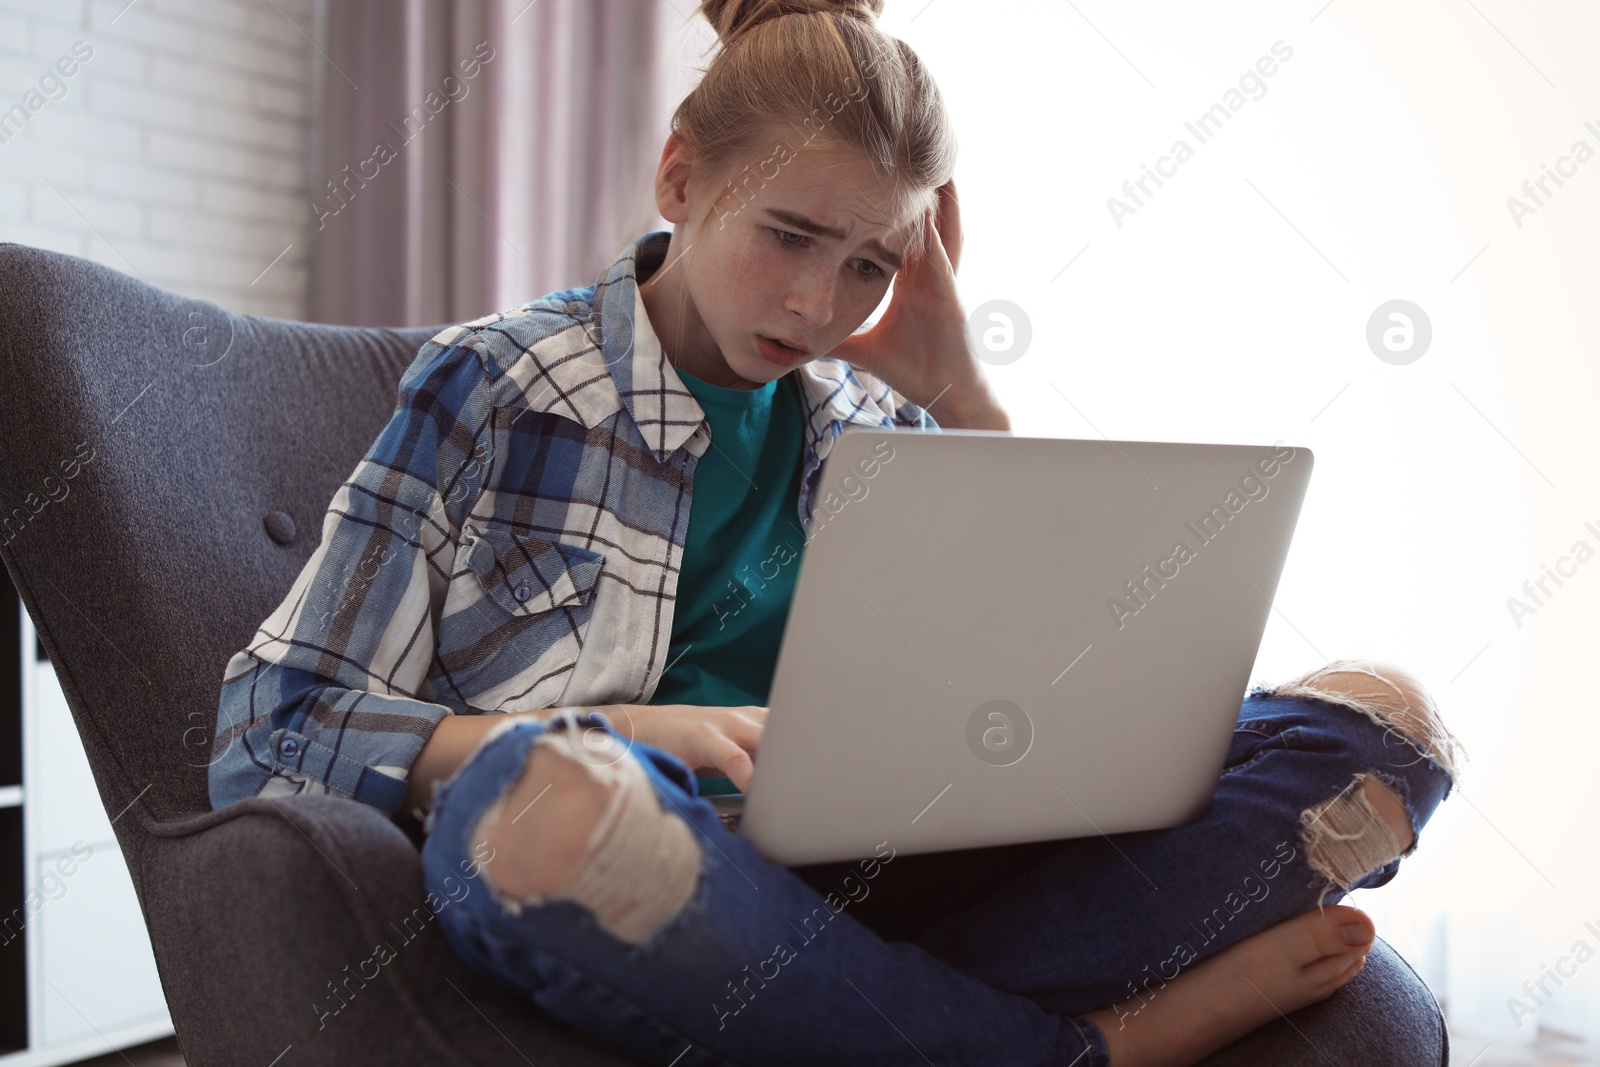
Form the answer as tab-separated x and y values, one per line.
823	70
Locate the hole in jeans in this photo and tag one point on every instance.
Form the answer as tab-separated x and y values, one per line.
1347	837
641	865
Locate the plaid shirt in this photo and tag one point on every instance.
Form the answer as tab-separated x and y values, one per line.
510	542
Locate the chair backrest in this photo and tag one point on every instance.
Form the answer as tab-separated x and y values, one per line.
158	451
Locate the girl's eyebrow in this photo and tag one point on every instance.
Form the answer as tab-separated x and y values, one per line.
817	229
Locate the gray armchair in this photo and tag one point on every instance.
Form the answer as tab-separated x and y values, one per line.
215	443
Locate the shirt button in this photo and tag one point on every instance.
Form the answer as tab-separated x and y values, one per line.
522	593
288	747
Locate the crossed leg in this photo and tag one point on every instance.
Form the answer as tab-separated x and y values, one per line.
1346	838
1329	778
610	846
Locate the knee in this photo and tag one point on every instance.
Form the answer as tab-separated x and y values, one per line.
1387	694
537	833
587	826
1394	690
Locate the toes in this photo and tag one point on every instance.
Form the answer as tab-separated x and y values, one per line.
1332	971
1338	930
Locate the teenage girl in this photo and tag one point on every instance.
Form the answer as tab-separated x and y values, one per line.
585	518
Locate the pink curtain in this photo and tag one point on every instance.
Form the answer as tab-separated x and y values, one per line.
470	155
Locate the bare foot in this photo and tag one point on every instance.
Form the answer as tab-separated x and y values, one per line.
1284	967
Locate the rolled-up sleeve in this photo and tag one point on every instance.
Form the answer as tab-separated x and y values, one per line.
910	416
332	694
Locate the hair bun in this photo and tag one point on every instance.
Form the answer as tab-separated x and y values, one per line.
730	18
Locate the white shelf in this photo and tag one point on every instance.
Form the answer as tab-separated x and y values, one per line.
88	1049
90	975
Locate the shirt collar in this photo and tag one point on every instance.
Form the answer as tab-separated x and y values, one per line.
667	415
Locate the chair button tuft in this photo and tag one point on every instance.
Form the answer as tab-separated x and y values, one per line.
280	527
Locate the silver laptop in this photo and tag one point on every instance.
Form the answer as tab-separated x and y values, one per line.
997	639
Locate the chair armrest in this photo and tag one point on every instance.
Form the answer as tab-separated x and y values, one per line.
267	916
1386	1014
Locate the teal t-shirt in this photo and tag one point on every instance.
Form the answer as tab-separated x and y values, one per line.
741	552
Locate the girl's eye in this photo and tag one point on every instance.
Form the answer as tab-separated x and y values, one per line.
867	271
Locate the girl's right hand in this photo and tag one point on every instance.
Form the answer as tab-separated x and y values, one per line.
707	739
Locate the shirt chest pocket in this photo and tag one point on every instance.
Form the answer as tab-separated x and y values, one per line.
514	619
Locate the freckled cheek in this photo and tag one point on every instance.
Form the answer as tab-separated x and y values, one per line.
738	295
855	309
760	288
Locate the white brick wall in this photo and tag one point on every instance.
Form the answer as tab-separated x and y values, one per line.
178	151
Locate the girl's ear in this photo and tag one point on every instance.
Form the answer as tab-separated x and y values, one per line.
672	179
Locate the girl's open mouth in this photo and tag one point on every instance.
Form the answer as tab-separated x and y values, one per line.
778	352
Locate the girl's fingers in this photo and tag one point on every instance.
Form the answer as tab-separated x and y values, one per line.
745	733
736	763
950	222
937	255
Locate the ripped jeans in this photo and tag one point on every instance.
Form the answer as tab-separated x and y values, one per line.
980	956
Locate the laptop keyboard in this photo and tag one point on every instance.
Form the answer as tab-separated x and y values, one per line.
730	809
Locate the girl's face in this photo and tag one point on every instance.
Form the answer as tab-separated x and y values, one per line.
797	253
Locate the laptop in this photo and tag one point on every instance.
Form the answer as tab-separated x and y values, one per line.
997	639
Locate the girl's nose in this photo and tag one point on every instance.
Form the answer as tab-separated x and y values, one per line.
811	297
